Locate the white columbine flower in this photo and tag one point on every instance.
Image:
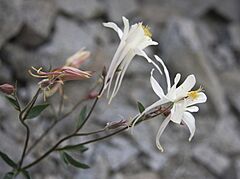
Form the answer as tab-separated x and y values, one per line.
134	40
182	99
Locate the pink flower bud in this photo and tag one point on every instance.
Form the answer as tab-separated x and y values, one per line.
77	59
92	95
7	88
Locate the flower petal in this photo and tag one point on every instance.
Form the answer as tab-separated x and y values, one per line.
156	87
177	112
147	43
189	120
192	109
202	98
186	86
160	131
143	54
113	67
165	71
114	27
120	76
177	78
126	26
172	92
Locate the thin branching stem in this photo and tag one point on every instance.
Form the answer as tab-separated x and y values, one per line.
38	140
59	119
144	118
22	116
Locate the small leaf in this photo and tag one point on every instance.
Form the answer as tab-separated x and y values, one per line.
63	157
74	162
26	174
141	108
77	147
9	175
13	101
82	116
36	110
9	161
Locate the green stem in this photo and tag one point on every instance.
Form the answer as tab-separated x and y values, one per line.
22	116
25	143
146	117
56	122
48	152
91	110
53	125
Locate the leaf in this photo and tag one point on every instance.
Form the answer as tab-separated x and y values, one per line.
36	110
26	174
82	116
63	157
13	101
74	162
141	108
9	175
9	161
78	147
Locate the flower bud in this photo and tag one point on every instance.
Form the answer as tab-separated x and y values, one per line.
7	88
77	59
104	71
92	95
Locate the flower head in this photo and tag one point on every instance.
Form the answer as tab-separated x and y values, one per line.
7	88
65	73
182	99
53	80
133	40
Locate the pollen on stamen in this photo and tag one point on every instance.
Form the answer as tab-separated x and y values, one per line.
194	94
147	31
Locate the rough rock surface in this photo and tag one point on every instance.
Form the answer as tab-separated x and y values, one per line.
200	37
91	8
38	18
211	159
10	20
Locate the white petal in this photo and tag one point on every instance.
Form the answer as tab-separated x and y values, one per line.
117	58
147	43
160	131
192	109
177	78
172	92
114	27
126	26
189	120
165	71
177	112
186	86
121	74
113	67
143	54
155	86
202	98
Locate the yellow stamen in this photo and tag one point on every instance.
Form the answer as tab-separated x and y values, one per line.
194	94
147	31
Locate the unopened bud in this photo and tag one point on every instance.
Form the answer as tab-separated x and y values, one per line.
92	95
7	88
104	72
77	59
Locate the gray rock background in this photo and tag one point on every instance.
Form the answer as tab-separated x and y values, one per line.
195	36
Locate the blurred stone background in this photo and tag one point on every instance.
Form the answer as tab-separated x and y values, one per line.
195	36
